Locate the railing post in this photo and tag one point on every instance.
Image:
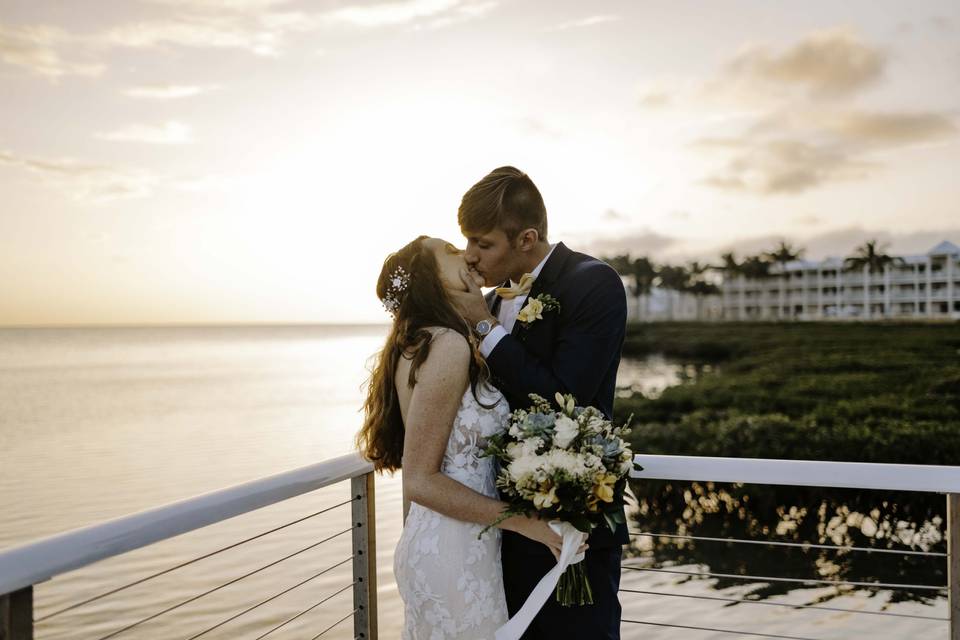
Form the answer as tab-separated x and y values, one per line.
364	557
16	615
953	562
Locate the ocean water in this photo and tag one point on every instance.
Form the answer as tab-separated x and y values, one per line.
100	423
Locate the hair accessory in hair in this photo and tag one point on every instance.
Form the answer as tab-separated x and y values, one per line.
399	281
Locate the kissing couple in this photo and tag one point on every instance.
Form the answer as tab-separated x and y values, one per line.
454	364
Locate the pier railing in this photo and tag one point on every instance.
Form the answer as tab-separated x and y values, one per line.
809	473
23	567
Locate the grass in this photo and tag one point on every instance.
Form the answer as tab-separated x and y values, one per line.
830	391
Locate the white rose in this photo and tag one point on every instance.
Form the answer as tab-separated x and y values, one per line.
521	467
565	432
530	445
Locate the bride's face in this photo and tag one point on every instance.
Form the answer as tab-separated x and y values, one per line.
450	263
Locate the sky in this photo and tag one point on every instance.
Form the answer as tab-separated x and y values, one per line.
230	161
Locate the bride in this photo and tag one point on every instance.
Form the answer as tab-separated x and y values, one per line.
429	409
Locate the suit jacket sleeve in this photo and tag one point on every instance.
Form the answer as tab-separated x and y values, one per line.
589	336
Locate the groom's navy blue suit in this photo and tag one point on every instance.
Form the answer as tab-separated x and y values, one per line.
574	350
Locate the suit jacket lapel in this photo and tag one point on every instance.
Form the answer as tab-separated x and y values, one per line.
493	302
548	275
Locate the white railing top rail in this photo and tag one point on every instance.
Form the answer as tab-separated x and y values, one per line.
37	561
802	473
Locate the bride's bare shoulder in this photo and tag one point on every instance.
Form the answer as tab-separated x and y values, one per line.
448	344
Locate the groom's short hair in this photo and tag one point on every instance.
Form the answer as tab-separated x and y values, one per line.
505	199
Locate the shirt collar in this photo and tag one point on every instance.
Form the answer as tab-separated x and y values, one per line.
536	272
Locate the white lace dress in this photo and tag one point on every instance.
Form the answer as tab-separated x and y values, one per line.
450	582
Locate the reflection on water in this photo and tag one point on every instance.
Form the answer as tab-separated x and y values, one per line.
874	520
650	375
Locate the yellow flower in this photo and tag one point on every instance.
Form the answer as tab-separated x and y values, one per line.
532	311
604	488
543	500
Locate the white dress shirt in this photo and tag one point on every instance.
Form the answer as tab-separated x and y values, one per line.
507	315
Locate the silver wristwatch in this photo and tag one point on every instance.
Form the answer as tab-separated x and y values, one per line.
483	328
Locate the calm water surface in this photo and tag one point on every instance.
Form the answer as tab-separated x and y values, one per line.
99	423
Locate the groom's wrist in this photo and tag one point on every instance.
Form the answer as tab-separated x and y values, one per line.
484	326
491	340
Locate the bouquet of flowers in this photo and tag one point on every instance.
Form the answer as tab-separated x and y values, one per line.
570	465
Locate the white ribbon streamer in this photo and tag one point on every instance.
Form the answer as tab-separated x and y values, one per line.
572	539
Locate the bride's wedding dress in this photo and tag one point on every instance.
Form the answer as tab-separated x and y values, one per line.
450	581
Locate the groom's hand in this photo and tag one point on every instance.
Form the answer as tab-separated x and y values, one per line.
470	303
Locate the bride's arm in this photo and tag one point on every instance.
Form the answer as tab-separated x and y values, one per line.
441	381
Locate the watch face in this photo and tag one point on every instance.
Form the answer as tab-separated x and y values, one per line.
483	327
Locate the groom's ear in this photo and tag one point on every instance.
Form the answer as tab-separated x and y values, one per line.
527	239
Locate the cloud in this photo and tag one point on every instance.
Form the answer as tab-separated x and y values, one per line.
890	129
807	220
168	133
36	48
796	150
168	91
636	243
655	100
437	12
803	138
201	31
785	166
260	27
829	64
536	126
614	216
85	181
583	22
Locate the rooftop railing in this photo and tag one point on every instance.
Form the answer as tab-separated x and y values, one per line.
23	568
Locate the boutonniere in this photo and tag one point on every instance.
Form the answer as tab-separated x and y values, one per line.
533	310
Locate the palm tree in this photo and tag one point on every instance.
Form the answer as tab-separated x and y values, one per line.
621	263
640	270
731	269
698	285
755	268
673	278
730	266
781	255
644	273
870	258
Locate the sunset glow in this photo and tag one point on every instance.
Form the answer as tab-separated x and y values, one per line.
181	161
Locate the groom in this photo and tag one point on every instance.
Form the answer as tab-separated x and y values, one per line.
571	349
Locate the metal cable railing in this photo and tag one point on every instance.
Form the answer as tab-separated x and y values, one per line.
352	613
306	611
274	597
783	604
184	564
225	584
803	545
731	631
736	576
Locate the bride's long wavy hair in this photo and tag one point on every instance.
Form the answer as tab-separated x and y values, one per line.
424	303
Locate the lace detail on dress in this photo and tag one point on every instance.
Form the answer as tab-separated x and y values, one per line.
450	581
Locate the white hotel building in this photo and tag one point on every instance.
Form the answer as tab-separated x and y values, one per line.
922	286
